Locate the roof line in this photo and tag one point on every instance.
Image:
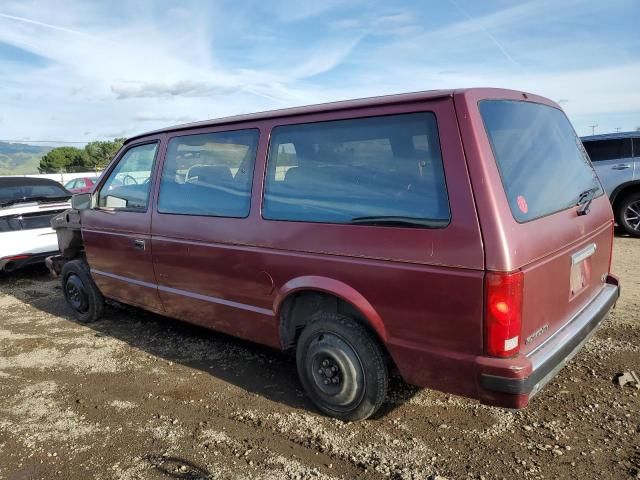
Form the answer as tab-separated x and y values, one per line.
307	109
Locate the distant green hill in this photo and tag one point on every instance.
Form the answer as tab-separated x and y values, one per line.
19	158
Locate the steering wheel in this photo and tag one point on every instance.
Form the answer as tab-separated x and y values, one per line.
129	180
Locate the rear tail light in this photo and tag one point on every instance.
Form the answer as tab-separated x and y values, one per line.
15	257
503	315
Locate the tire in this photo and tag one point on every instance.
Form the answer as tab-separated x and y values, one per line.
342	367
80	291
628	214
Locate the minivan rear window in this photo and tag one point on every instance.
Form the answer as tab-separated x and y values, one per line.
384	171
543	166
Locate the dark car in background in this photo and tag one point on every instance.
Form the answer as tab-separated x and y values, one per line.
616	158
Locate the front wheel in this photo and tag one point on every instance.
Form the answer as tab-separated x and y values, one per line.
629	215
342	367
80	292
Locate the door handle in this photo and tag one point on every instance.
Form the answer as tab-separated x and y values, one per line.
621	166
138	244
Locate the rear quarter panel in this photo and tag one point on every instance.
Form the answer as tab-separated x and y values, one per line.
541	248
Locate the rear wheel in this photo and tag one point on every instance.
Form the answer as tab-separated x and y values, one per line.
629	214
80	292
342	367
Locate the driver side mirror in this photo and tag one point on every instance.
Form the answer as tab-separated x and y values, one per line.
81	201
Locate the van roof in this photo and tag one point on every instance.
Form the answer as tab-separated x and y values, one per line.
322	107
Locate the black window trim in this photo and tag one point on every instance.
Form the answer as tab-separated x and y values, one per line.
151	179
359	117
493	153
253	172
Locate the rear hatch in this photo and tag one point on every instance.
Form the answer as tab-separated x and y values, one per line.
558	227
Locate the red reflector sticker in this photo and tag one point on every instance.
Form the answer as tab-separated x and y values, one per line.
522	204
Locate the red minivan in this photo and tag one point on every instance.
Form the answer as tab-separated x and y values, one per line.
460	237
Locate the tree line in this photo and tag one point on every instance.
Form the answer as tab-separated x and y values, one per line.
93	157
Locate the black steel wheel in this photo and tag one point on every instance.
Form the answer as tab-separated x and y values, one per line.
342	367
75	293
80	292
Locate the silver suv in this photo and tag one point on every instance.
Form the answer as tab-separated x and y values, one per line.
616	158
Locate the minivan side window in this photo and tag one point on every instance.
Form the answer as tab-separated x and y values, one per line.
209	174
600	150
127	187
636	147
383	171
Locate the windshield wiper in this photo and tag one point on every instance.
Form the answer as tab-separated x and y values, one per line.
585	199
33	199
394	221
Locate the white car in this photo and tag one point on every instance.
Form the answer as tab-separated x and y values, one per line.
27	206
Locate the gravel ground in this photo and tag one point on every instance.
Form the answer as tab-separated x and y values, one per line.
138	396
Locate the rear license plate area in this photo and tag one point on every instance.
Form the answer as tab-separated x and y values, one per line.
580	276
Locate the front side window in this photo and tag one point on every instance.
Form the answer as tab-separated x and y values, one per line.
614	149
209	174
383	171
127	187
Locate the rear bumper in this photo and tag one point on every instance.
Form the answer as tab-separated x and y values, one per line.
512	384
9	264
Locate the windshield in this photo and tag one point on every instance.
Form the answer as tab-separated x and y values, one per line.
25	192
543	166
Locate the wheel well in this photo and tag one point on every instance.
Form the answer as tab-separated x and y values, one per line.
624	193
299	307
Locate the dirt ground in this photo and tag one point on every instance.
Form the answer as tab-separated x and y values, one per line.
138	396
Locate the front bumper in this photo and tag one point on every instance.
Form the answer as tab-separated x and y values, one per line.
516	386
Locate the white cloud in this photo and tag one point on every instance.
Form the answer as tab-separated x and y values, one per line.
139	63
148	66
295	10
185	88
161	117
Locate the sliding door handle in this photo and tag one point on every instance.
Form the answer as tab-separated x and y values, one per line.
138	244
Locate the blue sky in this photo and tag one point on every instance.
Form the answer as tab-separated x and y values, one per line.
77	71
